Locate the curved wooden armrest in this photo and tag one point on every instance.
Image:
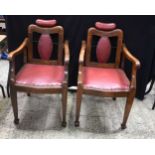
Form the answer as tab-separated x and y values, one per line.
66	60
82	52
135	66
66	52
81	61
130	57
18	50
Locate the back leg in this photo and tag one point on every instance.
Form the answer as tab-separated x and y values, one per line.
78	105
64	105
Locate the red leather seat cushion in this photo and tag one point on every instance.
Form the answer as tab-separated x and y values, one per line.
40	75
106	79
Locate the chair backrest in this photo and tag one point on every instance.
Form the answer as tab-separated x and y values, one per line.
107	39
45	42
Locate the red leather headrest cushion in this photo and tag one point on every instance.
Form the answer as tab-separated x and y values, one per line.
46	23
105	26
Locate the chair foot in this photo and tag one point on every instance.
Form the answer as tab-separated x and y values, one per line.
28	94
63	124
114	98
123	126
16	121
153	106
77	123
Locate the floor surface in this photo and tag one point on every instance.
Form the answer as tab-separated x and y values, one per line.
40	116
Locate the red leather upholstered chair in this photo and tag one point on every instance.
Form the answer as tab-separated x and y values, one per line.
41	74
102	77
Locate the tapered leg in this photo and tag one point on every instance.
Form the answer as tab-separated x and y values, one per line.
151	86
8	90
128	106
8	82
78	105
64	105
2	91
13	94
153	106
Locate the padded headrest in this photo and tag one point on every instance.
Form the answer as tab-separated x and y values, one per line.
105	26
46	23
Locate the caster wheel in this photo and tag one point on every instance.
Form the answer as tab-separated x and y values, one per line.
123	126
16	121
77	124
63	124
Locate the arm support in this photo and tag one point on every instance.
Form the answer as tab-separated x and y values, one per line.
66	59
81	61
82	52
66	50
11	57
135	65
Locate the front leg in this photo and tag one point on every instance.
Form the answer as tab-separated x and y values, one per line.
13	94
128	106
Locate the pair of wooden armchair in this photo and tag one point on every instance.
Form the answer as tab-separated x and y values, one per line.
47	72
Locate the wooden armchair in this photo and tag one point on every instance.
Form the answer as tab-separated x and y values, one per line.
105	78
41	73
